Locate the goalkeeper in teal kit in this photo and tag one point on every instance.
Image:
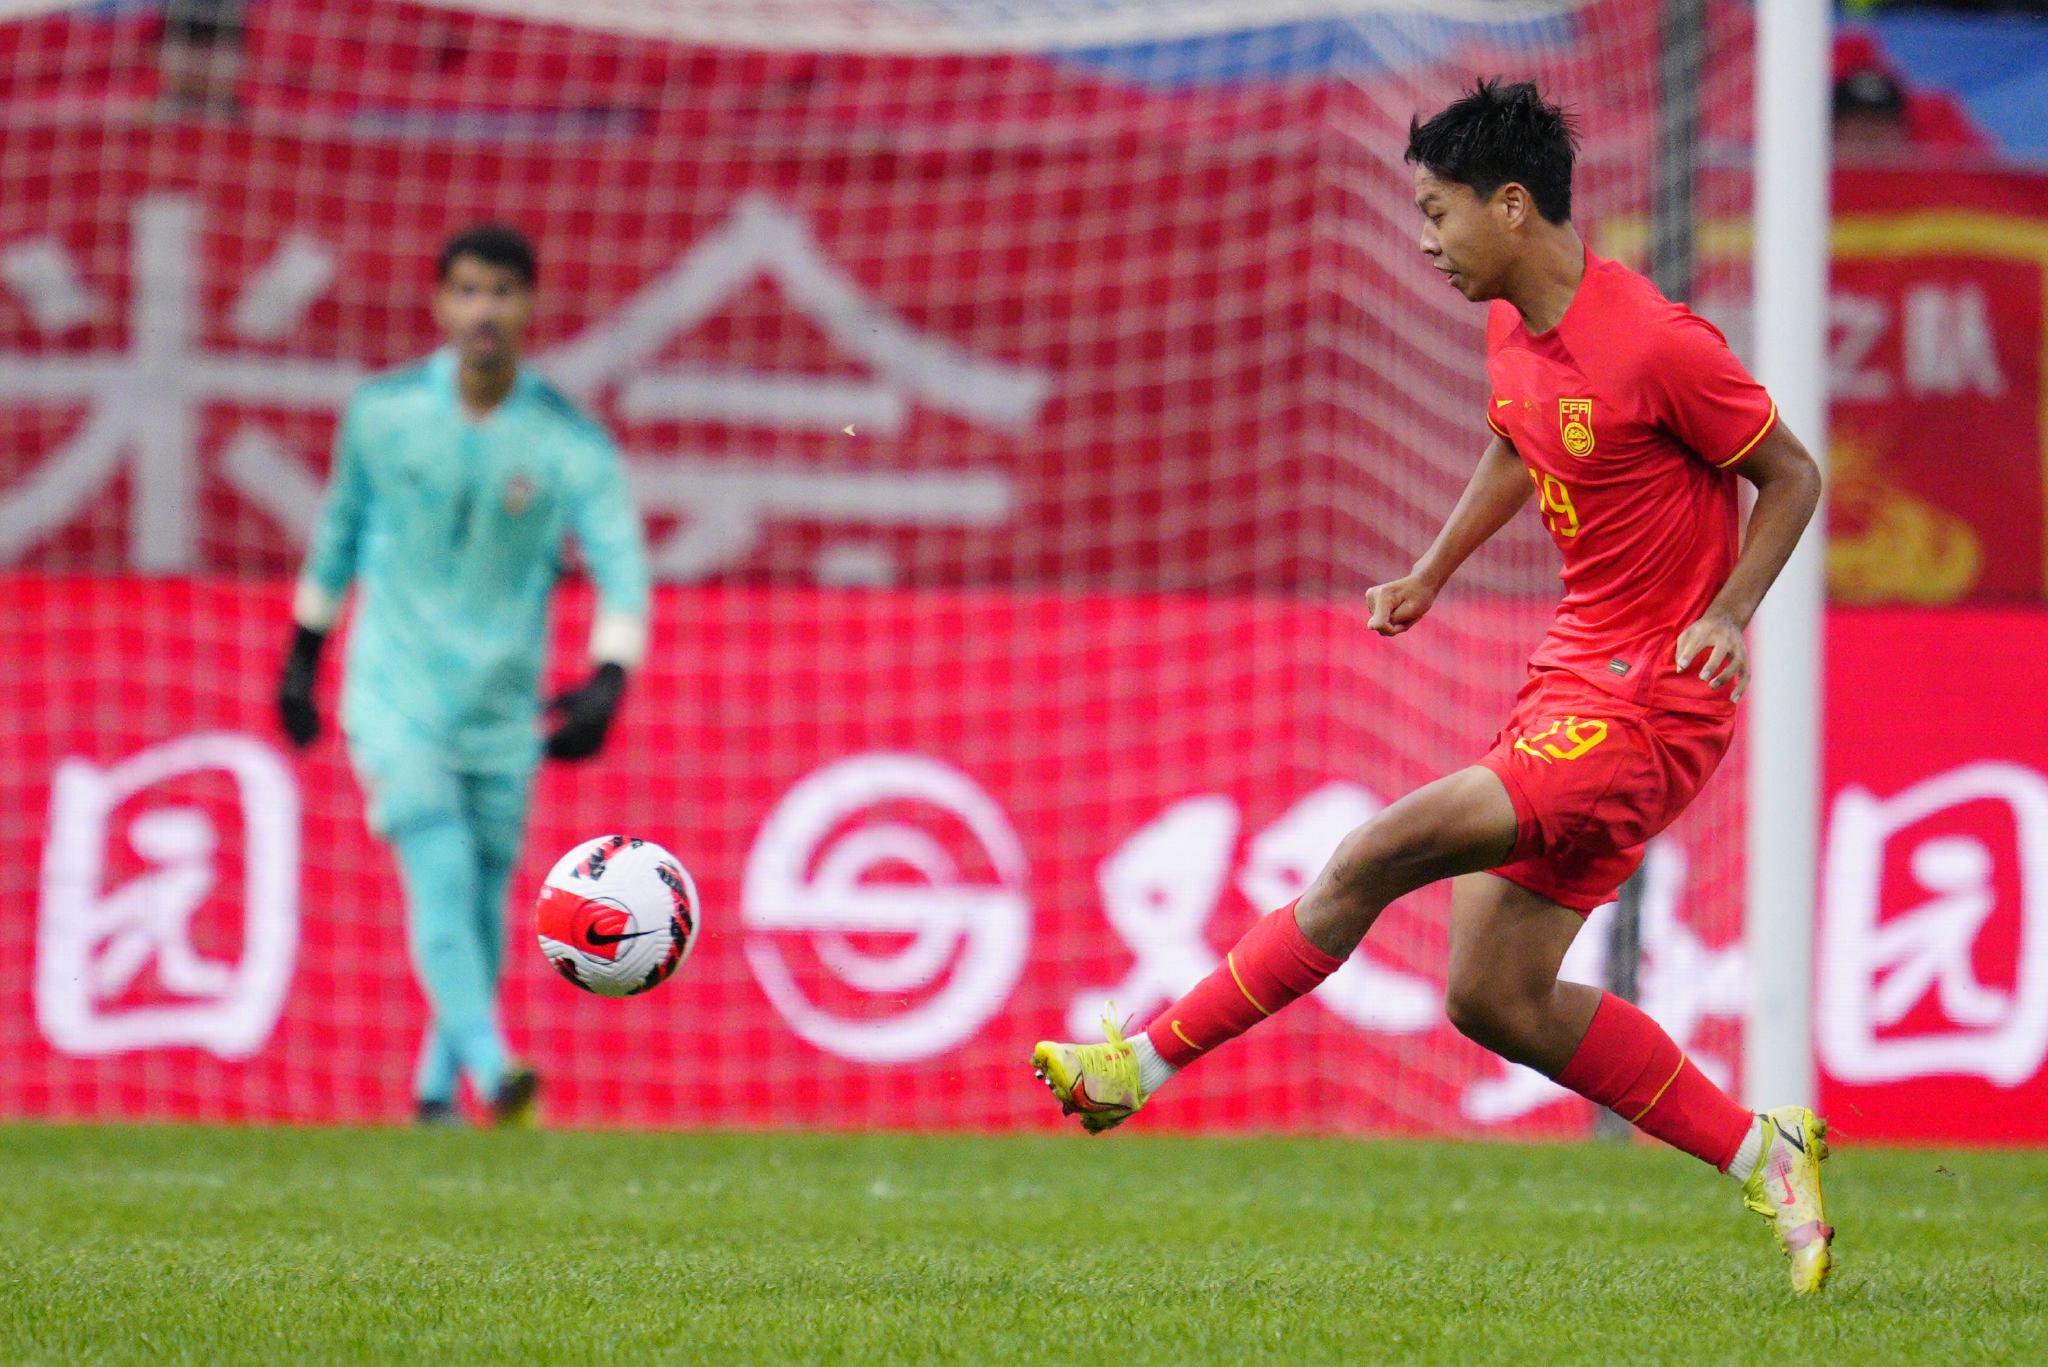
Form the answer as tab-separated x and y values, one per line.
453	484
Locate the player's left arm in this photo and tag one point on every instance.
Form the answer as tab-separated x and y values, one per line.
607	528
1716	409
1788	488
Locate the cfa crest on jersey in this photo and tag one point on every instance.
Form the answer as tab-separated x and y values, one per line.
1575	417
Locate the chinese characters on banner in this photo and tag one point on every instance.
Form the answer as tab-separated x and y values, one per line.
1931	1005
1938	379
901	896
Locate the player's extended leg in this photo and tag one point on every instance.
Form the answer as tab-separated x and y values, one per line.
497	806
1457	824
434	1076
1503	992
417	804
437	861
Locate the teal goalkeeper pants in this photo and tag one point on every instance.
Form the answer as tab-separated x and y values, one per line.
456	836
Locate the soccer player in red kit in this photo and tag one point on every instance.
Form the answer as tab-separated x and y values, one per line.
1629	421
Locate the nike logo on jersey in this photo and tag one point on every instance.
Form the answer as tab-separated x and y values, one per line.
1502	403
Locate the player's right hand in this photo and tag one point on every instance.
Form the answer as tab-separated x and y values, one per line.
295	710
1398	604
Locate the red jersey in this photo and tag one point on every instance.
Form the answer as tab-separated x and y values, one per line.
1631	415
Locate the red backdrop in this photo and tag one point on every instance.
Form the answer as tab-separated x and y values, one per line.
1932	989
915	863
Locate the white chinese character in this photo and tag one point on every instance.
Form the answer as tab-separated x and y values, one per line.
92	941
1950	344
1162	885
1159	889
722	504
1279	865
143	407
1876	965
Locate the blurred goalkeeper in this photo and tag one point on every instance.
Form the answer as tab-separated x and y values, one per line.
453	483
1630	421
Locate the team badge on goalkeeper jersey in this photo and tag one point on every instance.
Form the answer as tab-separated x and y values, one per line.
518	495
1575	416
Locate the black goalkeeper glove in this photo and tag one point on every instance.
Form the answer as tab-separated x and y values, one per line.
586	714
295	690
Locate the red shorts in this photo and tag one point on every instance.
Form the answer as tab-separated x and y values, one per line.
1593	777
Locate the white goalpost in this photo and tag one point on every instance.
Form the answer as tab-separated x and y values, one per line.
1791	290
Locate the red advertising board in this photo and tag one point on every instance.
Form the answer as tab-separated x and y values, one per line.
929	829
1932	966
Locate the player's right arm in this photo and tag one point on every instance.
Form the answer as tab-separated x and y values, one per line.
330	566
1495	493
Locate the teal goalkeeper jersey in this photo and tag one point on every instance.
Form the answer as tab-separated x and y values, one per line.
453	530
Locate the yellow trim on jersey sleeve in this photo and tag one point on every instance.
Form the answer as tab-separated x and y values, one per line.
1750	445
1497	428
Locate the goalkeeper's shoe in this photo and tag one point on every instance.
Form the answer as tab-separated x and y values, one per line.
1784	1188
516	1095
1098	1082
437	1114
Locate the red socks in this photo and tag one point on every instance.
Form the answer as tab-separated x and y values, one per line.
1628	1064
1271	966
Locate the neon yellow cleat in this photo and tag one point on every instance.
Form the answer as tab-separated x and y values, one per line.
1785	1189
1098	1082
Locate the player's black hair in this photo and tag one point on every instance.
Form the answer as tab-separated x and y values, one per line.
494	244
1497	134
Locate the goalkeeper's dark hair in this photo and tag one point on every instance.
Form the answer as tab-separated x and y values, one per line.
494	244
1501	133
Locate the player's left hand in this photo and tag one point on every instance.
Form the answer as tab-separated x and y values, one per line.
1727	658
586	714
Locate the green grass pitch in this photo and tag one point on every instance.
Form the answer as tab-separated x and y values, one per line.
208	1245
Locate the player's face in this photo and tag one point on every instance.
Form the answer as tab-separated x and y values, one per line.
1463	235
483	311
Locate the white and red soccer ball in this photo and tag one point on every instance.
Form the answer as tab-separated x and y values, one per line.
617	915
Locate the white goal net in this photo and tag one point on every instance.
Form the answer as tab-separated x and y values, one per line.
1020	397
